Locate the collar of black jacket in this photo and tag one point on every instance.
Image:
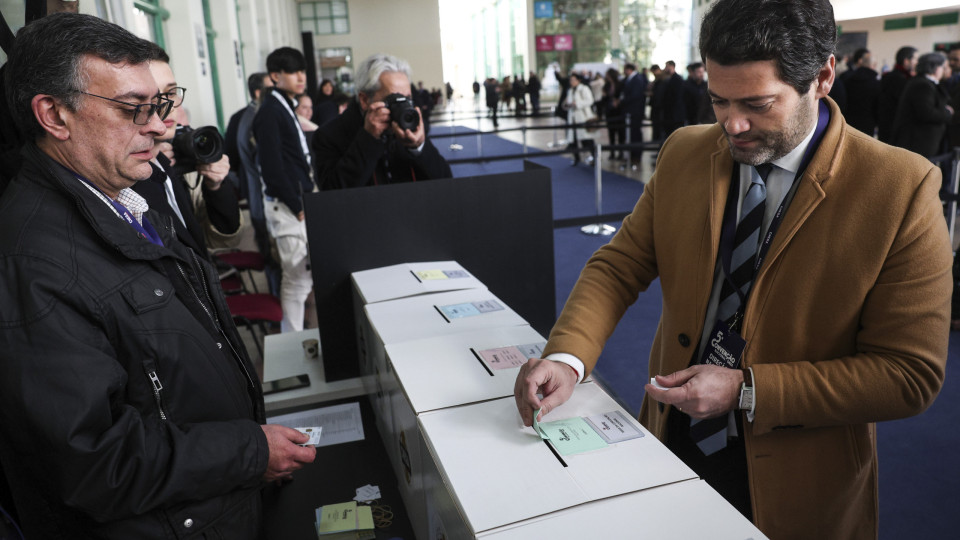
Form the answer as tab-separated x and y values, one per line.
41	169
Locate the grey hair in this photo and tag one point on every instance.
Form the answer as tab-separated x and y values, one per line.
928	63
370	70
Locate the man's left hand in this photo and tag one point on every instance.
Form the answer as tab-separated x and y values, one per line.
701	391
214	173
410	139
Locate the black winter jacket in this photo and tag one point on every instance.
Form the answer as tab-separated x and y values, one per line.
128	405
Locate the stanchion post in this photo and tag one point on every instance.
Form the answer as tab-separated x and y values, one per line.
598	229
955	186
454	146
479	139
629	150
523	129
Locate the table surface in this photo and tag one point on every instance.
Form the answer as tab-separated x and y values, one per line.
332	478
283	357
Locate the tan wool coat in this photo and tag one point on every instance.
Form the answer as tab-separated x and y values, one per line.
847	323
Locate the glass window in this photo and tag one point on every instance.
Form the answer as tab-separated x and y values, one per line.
330	17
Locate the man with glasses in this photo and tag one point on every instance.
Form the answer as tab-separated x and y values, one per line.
128	405
205	210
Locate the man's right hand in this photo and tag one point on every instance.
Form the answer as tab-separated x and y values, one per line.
286	455
377	119
555	380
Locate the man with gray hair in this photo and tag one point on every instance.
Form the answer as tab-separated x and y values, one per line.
924	111
365	146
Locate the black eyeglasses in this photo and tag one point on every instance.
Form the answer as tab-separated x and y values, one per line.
143	111
175	95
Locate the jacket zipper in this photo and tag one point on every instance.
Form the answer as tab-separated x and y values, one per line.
157	387
212	315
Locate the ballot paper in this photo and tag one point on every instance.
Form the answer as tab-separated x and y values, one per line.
340	423
470	309
614	427
655	384
511	357
367	493
569	436
430	275
344	520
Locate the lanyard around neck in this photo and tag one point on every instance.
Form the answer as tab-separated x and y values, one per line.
730	212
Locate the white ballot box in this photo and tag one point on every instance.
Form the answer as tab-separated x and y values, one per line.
420	317
411	279
284	356
439	314
441	372
681	511
392	283
484	470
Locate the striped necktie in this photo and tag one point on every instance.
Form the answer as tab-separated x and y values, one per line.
746	242
711	435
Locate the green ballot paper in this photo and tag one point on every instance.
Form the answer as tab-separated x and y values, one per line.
536	424
571	436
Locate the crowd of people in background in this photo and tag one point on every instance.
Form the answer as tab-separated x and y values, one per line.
921	116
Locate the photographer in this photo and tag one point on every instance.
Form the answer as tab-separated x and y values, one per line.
207	214
377	140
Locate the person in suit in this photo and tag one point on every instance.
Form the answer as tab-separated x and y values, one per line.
924	111
364	146
820	339
863	94
891	88
286	173
633	101
674	108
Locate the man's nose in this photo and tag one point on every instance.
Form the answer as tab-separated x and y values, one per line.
736	122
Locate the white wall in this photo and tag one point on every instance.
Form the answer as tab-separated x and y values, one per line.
409	29
883	44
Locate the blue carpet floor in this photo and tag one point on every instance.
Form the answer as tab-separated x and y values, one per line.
573	186
919	456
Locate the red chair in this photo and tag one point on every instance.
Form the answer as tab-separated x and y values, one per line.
244	261
255	309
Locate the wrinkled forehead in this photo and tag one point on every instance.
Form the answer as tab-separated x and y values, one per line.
134	81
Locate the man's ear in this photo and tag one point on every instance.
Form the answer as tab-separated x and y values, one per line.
825	78
51	114
364	101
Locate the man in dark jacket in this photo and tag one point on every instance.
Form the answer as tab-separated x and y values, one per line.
364	146
216	212
285	170
128	405
633	101
924	110
674	109
891	88
863	94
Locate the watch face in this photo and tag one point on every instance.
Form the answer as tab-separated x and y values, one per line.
746	397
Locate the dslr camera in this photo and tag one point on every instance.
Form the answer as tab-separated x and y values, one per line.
402	111
195	146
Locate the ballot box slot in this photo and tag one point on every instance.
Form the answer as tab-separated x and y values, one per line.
440	311
479	359
555	453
